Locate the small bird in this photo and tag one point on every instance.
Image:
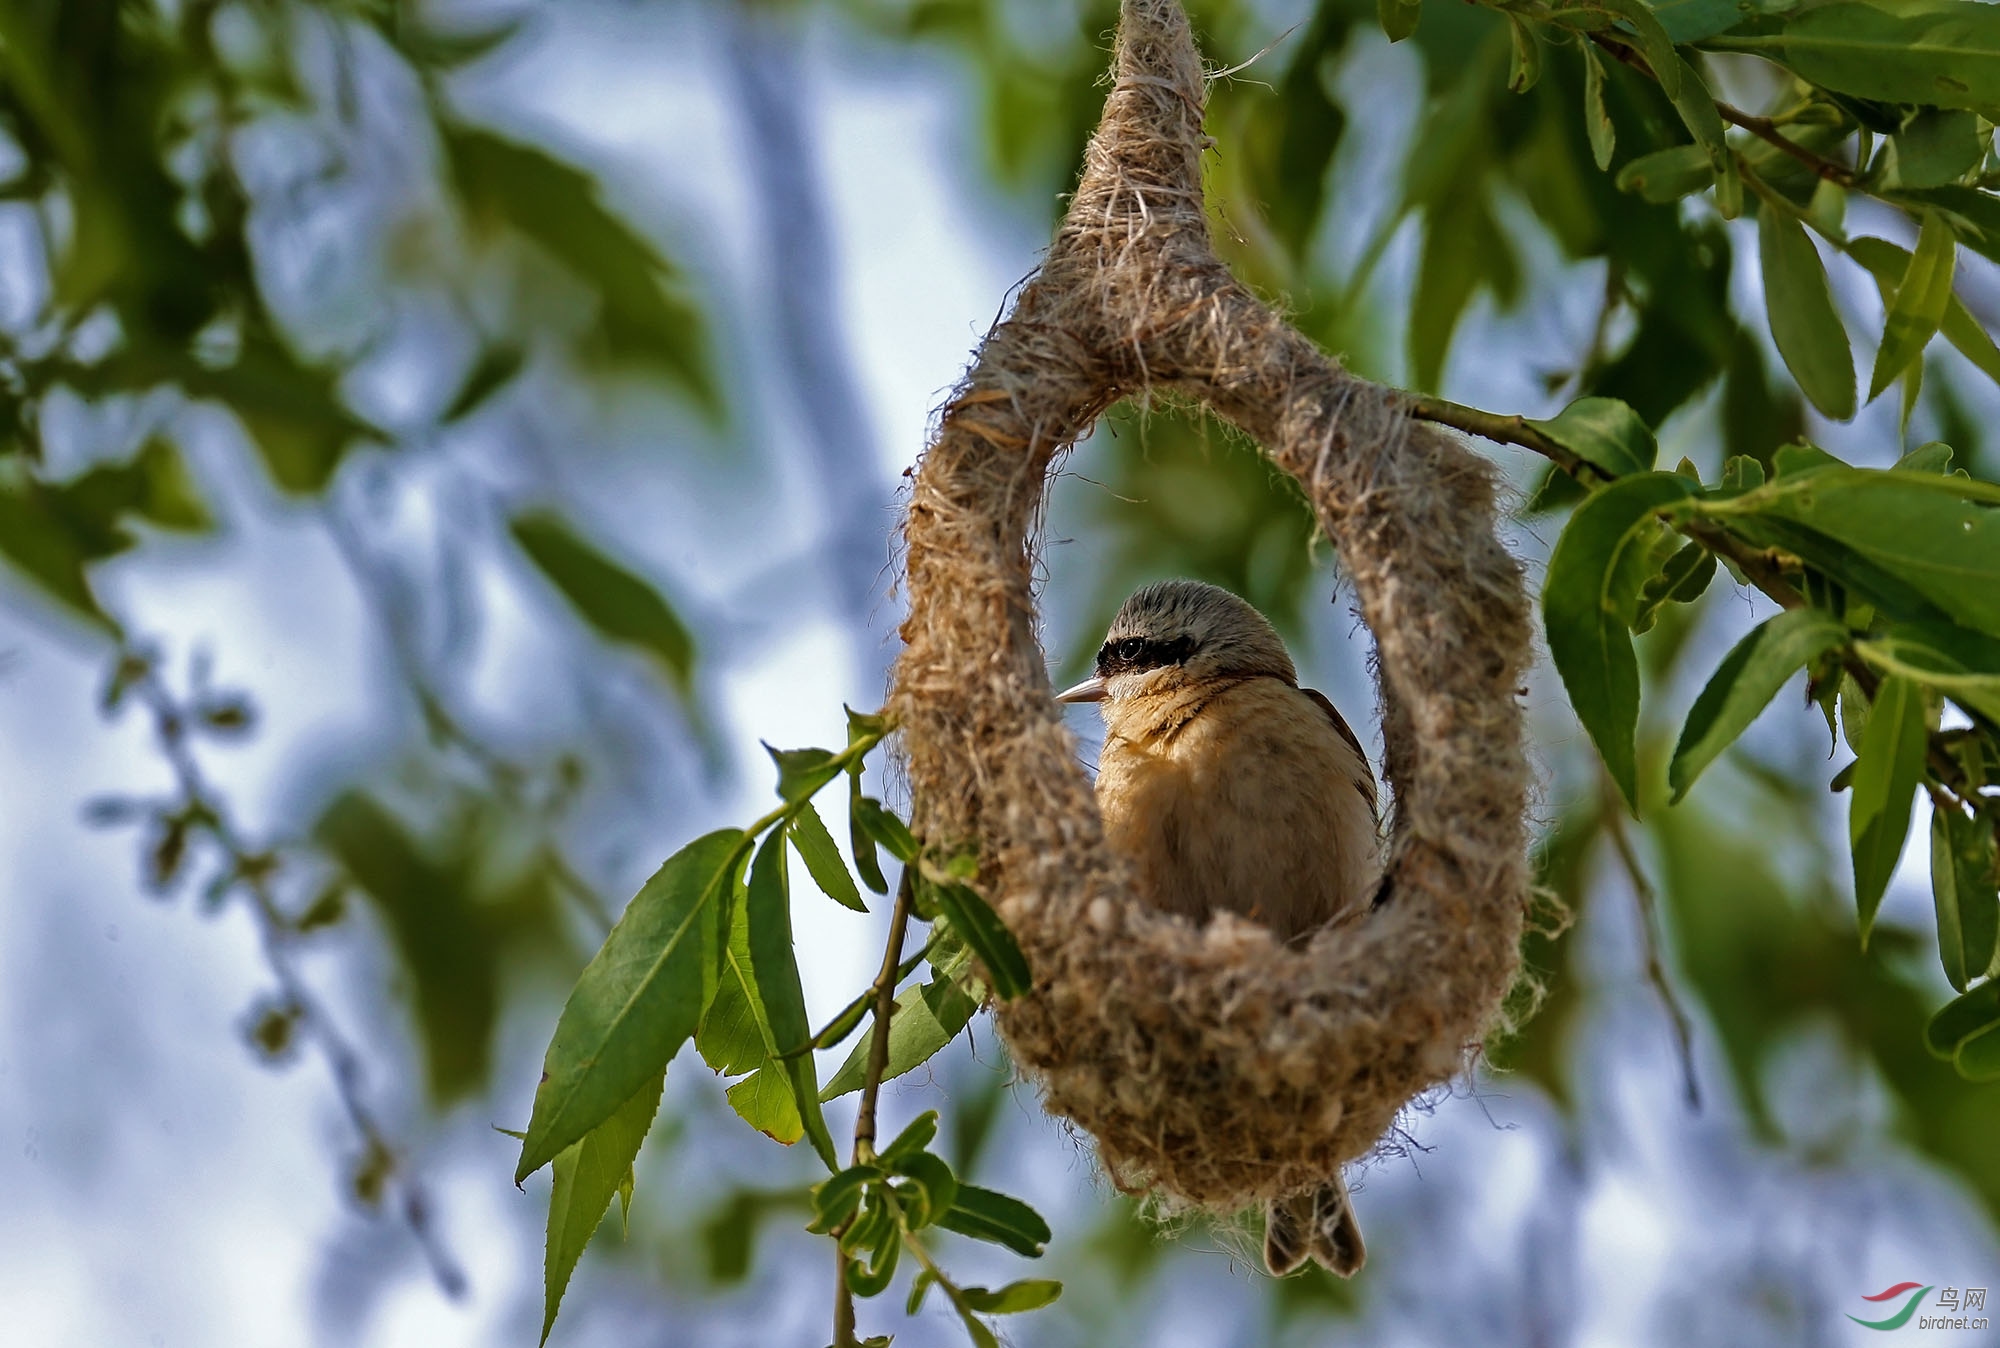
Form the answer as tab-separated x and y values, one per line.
1226	785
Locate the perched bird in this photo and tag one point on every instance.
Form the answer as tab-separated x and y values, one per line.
1226	785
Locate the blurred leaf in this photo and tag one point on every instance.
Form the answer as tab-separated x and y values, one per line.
1398	17
617	602
982	930
645	316
1526	70
1029	1294
1919	307
823	860
1596	118
1966	892
639	999
1804	324
1890	766
1938	147
1978	1057
1887	263
1696	105
1969	1014
292	411
587	1173
1944	53
1290	139
1589	600
496	366
769	911
443	935
994	1217
1669	174
1692	20
1605	432
1744	684
926	1019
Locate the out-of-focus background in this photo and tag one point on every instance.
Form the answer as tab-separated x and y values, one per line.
445	438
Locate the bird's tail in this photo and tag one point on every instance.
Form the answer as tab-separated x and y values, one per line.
1317	1225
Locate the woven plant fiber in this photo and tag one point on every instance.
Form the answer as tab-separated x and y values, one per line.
1213	1065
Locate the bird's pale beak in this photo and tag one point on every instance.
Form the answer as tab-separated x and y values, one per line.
1090	690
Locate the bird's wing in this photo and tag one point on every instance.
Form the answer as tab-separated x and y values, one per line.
1365	783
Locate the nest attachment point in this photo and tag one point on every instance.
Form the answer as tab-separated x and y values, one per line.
1213	1065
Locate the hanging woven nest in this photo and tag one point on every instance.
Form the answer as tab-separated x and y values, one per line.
1213	1064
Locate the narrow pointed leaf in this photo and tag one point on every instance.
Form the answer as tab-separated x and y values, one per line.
1885	781
638	1000
981	929
986	1215
1599	566
587	1173
1804	323
926	1019
1596	119
1919	307
1605	432
1963	887
1962	1017
773	962
823	860
1744	684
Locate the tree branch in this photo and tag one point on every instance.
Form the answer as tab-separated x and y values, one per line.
250	871
1650	933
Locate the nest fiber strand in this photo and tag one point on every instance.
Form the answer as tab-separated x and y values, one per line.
1213	1064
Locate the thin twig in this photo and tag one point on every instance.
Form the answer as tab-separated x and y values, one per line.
843	1300
1649	922
251	869
885	1007
1766	130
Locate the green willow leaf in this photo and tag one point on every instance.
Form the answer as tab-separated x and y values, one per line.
1681	581
1526	70
638	1000
1943	54
1887	262
1696	105
1029	1294
867	861
1966	892
1978	1057
1604	432
1596	119
1599	566
1918	309
997	1218
982	930
1668	175
1658	48
823	860
615	600
1965	666
801	772
587	1173
1961	1018
1744	684
735	1034
1917	545
926	1019
766	1101
1398	17
768	908
1886	775
1937	147
887	829
1804	323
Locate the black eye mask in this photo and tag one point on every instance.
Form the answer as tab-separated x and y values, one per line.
1129	655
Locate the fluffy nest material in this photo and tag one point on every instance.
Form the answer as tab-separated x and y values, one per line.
1213	1065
